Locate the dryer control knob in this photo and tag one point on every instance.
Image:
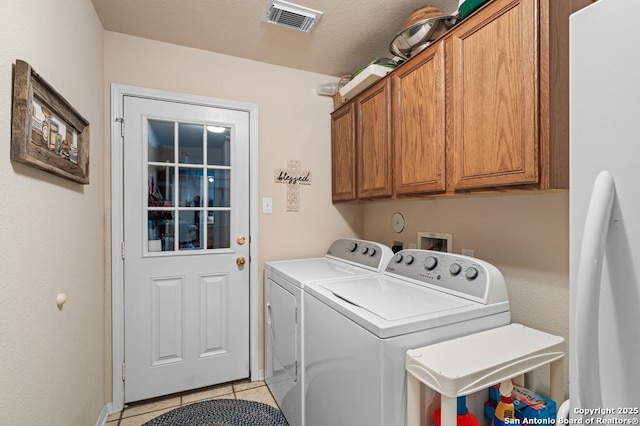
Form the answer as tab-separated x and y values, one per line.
397	258
471	273
409	260
430	263
364	250
353	247
372	252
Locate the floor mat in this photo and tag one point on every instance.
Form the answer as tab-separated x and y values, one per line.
222	412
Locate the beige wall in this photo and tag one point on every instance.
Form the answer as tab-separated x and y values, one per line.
52	230
55	365
293	124
525	236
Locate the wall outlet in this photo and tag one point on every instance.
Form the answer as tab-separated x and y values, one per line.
467	252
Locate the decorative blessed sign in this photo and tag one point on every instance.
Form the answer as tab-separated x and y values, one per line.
293	176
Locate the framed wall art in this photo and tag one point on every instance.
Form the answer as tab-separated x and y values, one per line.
46	131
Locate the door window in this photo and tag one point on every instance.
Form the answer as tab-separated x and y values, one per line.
188	178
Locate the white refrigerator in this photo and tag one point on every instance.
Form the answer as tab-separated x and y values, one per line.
604	194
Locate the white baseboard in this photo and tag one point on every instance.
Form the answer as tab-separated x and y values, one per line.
102	419
259	376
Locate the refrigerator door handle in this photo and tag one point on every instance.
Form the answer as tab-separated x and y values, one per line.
588	290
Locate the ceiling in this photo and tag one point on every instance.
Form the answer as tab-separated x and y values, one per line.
349	35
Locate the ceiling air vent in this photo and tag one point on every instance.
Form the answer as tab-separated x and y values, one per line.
291	15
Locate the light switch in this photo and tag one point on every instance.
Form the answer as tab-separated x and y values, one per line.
267	205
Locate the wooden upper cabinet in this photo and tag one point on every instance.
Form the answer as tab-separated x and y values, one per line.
373	136
343	153
494	104
418	105
484	109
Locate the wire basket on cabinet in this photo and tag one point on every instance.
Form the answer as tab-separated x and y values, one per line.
338	99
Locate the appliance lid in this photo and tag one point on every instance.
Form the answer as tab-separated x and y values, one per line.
393	300
301	271
387	306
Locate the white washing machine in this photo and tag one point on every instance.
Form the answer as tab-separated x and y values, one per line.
284	282
357	331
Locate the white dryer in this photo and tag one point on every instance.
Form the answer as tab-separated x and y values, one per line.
284	282
357	331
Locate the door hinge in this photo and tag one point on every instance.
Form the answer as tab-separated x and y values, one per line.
122	250
121	121
123	371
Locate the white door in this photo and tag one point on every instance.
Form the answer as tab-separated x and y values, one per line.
186	228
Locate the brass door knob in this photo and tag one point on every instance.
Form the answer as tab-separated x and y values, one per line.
241	261
240	240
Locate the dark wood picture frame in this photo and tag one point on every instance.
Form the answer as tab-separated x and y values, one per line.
46	131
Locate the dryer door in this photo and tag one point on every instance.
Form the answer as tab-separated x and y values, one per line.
281	334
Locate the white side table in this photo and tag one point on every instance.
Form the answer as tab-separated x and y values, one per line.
471	363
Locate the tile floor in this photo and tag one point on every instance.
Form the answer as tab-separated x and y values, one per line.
139	413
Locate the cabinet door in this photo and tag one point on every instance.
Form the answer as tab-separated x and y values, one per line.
419	124
343	154
494	97
373	135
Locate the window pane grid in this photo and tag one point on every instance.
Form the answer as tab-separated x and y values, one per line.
189	174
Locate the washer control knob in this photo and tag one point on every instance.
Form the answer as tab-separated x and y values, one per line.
364	250
430	263
409	259
455	269
471	273
353	246
397	258
372	252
